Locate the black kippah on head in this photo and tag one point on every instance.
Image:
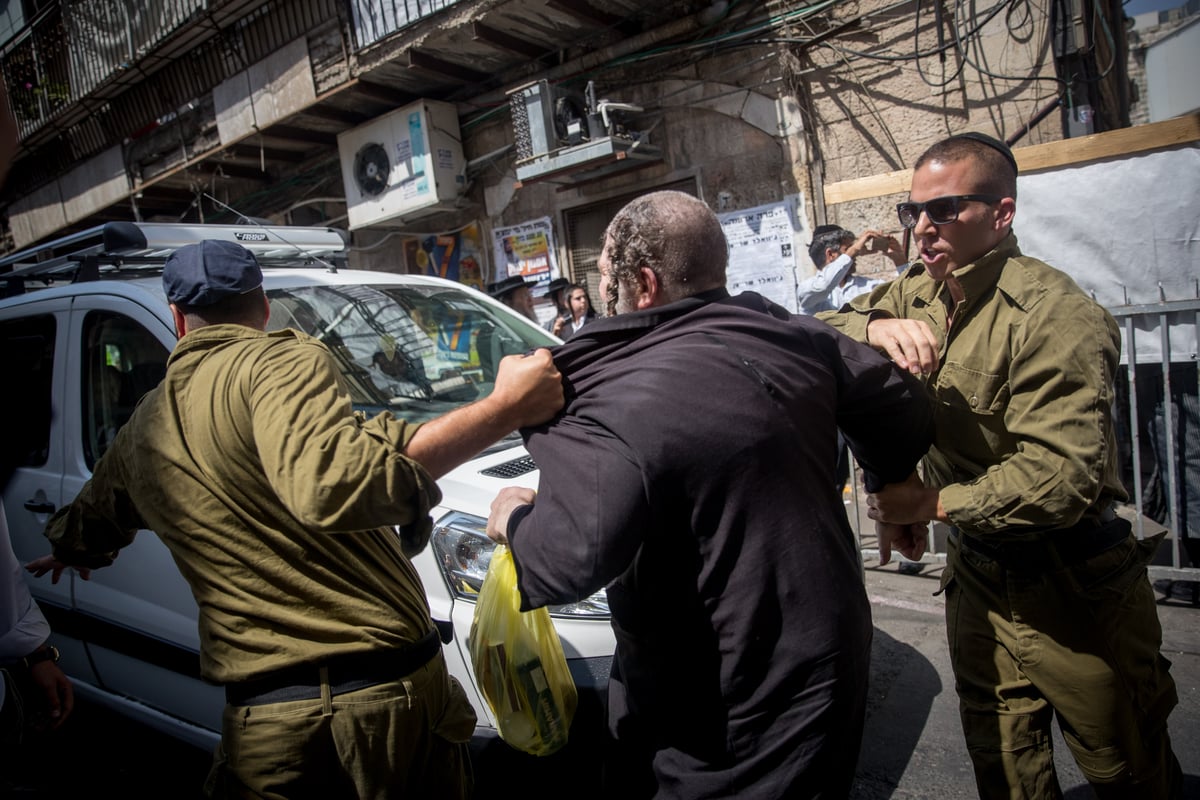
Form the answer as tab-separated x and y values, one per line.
997	145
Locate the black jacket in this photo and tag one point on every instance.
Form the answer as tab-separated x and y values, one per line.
692	473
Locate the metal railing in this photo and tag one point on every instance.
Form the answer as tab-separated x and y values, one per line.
73	46
1176	380
373	20
1171	450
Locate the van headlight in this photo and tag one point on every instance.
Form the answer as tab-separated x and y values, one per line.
463	551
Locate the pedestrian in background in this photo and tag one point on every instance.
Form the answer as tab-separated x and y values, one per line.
556	292
293	520
34	692
579	311
515	293
835	251
691	474
1049	609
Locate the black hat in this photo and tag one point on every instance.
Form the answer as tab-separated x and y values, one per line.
207	272
997	145
500	288
557	285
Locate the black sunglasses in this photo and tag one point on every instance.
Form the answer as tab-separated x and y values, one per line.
941	210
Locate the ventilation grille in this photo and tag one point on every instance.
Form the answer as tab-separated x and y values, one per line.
521	134
511	469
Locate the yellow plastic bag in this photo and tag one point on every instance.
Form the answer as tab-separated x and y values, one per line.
519	664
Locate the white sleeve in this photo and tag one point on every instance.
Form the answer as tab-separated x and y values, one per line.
812	293
23	629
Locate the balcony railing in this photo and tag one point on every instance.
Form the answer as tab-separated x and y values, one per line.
74	46
375	19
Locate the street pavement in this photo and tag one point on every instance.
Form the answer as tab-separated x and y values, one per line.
913	747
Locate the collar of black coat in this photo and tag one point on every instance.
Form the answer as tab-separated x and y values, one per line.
605	327
604	334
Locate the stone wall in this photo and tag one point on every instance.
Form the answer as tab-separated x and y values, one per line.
871	116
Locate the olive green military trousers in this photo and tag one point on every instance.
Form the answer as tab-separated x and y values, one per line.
1080	643
401	739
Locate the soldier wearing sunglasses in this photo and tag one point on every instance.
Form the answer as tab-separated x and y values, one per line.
1048	607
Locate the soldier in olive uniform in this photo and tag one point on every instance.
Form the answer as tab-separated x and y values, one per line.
1048	607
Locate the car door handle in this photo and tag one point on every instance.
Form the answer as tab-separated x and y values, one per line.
39	508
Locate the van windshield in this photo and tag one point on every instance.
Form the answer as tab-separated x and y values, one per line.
417	351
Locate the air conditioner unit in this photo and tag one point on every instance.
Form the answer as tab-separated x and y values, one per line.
404	165
574	138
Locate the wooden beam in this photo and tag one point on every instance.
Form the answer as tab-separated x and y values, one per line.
1110	144
1080	150
506	41
870	186
420	60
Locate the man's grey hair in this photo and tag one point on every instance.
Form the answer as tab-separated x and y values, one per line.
676	236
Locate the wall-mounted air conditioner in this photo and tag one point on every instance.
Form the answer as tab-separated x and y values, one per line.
574	137
403	165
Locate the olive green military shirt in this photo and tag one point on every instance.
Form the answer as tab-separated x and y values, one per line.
1022	394
274	498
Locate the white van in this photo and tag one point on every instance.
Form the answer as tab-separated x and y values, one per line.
88	320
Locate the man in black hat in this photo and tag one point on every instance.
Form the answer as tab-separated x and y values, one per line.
514	292
834	250
293	521
1049	612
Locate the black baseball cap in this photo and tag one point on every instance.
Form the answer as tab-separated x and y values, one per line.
207	272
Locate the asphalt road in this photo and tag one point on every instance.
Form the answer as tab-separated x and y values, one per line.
913	746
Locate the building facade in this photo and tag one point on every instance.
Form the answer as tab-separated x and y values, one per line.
560	111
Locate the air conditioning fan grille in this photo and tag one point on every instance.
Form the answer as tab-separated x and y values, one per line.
520	119
371	169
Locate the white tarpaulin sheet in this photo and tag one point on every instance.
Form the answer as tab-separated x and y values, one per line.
1122	229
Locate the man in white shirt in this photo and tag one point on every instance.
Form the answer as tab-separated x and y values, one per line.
834	249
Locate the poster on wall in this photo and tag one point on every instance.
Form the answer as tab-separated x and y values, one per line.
762	252
526	249
456	256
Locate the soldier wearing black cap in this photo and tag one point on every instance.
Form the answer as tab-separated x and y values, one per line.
281	507
514	292
1048	607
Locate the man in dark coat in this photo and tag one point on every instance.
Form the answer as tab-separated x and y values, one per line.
691	474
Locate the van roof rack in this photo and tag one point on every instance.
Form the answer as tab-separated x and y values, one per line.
125	249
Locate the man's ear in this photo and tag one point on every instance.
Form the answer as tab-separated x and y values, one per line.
649	290
180	321
1006	209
